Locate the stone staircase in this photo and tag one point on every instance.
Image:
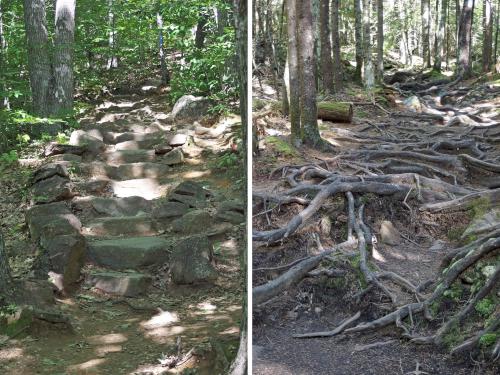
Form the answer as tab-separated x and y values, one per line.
116	207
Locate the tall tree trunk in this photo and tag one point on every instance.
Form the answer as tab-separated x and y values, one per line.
5	276
487	35
337	63
358	32
464	37
4	101
64	39
426	14
438	57
368	78
326	48
38	55
199	41
308	109
380	40
112	59
496	56
165	77
293	73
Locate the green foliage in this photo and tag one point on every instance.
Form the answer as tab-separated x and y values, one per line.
8	309
455	292
453	336
488	339
479	207
9	158
227	160
485	307
454	234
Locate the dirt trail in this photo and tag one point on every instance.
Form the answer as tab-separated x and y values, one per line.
143	186
374	144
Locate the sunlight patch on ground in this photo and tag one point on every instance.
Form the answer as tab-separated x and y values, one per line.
162	335
112	338
196	174
207	306
162	319
87	365
231	331
101	351
233	308
330	139
10	353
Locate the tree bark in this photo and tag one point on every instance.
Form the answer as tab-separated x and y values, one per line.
5	276
358	32
165	77
426	14
4	101
308	109
200	30
293	73
64	39
38	55
496	56
368	78
438	56
112	59
464	40
380	40
487	35
337	63
326	47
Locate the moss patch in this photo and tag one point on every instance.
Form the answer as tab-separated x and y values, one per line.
281	146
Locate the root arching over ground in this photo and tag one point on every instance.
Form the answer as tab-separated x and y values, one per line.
435	178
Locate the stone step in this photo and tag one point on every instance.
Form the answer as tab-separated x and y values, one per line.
112	207
116	138
120	226
128	156
126	284
147	188
129	253
125	171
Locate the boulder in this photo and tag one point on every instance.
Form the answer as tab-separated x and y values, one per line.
232	211
191	261
66	256
53	189
173	157
92	144
178	139
127	284
166	210
190	108
195	221
49	170
36	216
190	193
389	234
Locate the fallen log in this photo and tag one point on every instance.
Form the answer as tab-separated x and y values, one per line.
335	111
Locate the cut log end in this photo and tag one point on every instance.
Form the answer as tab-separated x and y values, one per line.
335	111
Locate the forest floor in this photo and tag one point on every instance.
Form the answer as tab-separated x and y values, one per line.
321	303
196	325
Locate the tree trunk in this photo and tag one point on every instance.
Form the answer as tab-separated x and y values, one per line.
293	73
335	111
337	63
4	101
426	14
368	78
64	39
112	59
165	77
358	32
464	37
326	48
38	55
308	109
496	56
380	40
487	35
199	41
5	277
438	57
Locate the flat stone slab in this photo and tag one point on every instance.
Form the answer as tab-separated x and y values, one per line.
137	170
53	189
173	157
129	253
145	144
147	188
114	207
127	284
129	156
120	226
195	221
190	193
165	210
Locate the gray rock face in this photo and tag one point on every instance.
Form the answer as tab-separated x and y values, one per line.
232	211
127	284
129	253
389	234
195	221
121	226
53	189
92	144
173	157
38	216
49	170
190	193
190	108
191	261
166	210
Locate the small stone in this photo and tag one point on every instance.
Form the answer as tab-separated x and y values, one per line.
389	234
173	157
127	284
